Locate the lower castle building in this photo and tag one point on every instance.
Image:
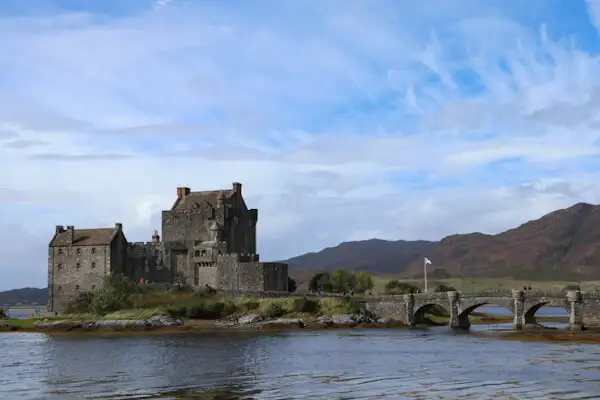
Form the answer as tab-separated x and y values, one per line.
209	239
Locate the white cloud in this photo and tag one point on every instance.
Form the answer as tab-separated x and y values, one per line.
343	123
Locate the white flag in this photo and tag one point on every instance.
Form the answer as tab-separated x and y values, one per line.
427	260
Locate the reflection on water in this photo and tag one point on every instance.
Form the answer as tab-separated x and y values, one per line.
383	364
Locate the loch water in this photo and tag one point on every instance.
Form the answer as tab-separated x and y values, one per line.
432	363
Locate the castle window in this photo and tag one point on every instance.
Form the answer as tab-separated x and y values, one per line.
60	251
77	287
77	265
197	253
93	250
203	252
93	265
59	289
78	251
59	266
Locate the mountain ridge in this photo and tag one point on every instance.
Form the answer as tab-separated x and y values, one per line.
563	244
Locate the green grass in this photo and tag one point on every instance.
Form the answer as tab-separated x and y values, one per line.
19	323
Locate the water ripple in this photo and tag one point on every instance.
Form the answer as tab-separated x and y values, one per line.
390	364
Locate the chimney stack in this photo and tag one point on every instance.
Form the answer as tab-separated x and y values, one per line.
119	226
70	234
183	191
237	187
60	229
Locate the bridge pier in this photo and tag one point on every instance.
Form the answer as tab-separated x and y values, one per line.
458	320
575	310
518	309
409	309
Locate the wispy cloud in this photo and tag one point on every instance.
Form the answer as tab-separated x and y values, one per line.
342	120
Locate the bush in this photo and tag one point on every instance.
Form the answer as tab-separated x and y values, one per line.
248	305
273	310
2	313
177	312
113	295
291	285
322	279
396	287
82	303
442	287
206	311
305	305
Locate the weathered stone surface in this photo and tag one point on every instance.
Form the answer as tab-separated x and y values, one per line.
209	239
59	326
249	319
282	323
584	308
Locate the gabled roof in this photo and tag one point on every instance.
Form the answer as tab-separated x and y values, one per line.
85	237
209	196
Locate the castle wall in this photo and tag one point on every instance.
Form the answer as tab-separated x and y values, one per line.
148	260
74	270
207	275
239	277
275	276
186	226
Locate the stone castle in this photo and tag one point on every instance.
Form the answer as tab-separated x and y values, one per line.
209	239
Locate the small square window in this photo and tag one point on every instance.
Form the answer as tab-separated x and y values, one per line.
93	265
77	287
78	265
59	266
93	250
78	251
60	251
197	253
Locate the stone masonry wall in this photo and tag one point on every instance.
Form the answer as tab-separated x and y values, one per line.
591	310
75	269
235	276
275	276
207	276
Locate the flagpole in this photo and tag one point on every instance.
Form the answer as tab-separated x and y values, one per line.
425	272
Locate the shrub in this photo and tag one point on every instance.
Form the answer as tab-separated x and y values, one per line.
113	295
396	287
205	311
322	279
291	285
82	303
305	305
248	305
177	312
442	287
2	313
273	310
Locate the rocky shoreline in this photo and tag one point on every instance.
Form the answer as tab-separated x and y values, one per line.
249	322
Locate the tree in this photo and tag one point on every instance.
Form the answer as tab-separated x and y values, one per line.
363	281
442	287
113	295
2	313
396	287
342	280
322	280
291	285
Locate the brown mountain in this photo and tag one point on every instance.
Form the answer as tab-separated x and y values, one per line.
564	244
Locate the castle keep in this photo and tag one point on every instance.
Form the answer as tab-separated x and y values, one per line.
209	239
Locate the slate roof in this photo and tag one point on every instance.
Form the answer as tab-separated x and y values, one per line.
210	196
85	237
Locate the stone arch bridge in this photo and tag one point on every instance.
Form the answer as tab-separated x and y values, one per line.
411	308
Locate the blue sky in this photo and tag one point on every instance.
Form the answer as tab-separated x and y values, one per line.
343	120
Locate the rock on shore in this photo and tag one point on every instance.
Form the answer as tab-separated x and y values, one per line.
155	322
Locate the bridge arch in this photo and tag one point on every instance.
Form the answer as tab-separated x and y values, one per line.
463	316
429	308
529	314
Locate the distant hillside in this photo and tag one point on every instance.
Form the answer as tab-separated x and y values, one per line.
564	244
376	255
25	296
